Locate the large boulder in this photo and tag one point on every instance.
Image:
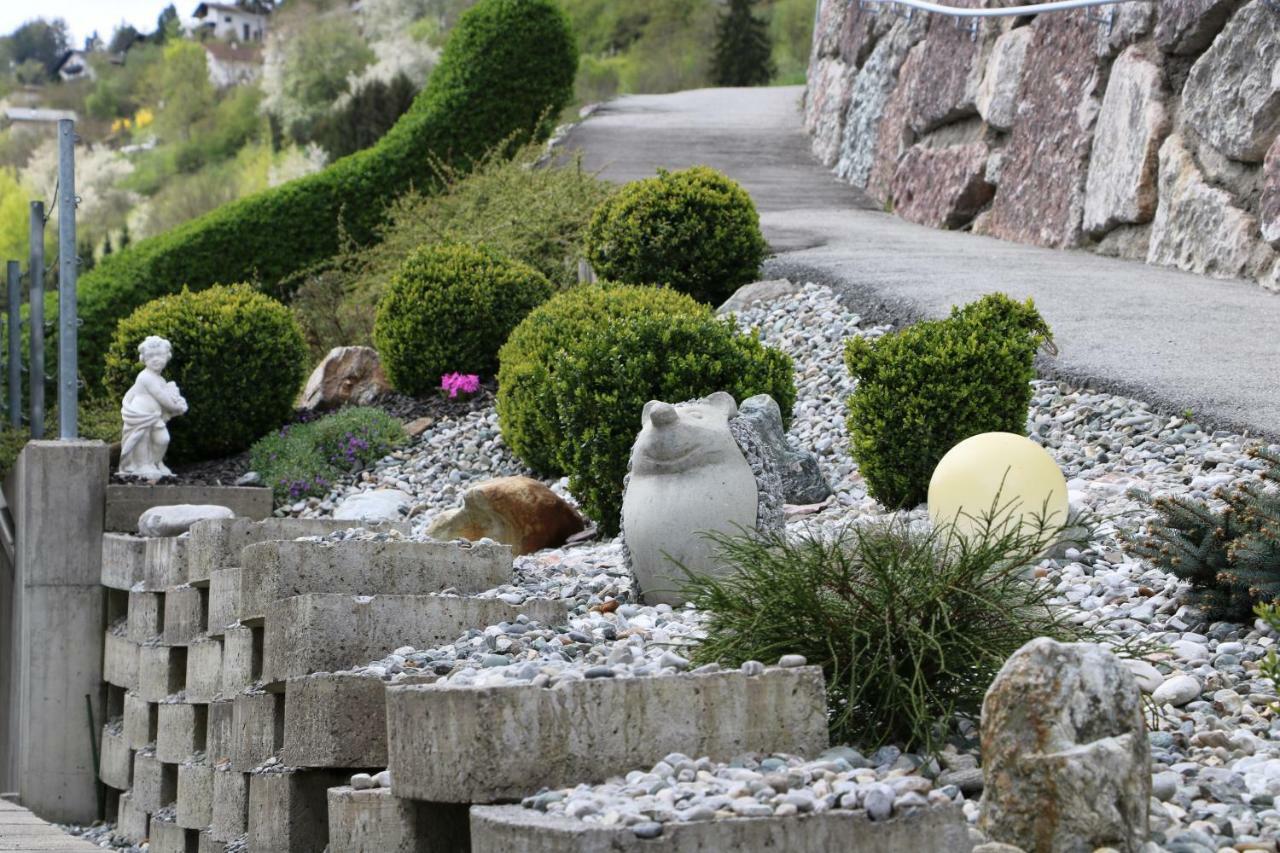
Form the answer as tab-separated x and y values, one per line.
1232	96
346	375
516	511
826	103
802	480
942	187
1065	755
997	96
955	57
374	505
894	136
1269	205
1189	26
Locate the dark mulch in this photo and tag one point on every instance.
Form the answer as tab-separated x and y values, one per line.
436	406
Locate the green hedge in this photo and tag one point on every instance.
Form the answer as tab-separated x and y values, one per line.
238	359
506	73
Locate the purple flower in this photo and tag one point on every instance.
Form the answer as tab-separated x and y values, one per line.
467	383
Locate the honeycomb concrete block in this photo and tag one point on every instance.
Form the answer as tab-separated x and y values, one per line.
204	670
241	659
230	804
115	759
335	720
515	829
123	558
120	661
257	728
277	570
131	821
374	821
209	844
184	613
146	616
162	671
217	543
155	784
327	632
168	837
220	734
165	563
140	721
487	744
224	599
195	795
181	730
288	810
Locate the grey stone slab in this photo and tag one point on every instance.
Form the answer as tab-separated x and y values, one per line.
230	804
217	543
335	720
257	728
374	821
120	661
195	795
288	811
123	560
126	503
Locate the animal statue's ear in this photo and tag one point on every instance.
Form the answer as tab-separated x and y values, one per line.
723	401
648	407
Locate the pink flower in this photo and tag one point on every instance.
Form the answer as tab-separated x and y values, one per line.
467	383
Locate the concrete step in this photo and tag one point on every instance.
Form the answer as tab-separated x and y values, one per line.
288	810
335	720
216	543
490	744
374	821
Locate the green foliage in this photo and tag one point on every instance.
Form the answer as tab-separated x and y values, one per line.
180	81
909	627
791	28
372	110
505	74
528	213
744	53
238	358
1229	554
1270	665
306	459
695	230
38	41
15	217
575	375
319	58
924	389
448	309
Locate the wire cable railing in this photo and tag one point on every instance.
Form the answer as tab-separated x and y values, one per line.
997	11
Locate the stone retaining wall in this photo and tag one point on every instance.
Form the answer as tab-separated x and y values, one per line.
1152	138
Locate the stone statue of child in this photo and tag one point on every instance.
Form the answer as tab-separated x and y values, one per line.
146	411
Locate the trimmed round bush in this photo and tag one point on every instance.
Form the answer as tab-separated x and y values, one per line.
695	230
238	358
926	388
506	73
575	376
449	308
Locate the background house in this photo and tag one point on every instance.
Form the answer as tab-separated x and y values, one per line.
232	64
230	23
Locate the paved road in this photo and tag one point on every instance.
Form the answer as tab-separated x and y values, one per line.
20	830
1176	340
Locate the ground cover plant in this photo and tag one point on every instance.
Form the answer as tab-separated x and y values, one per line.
909	625
306	459
924	389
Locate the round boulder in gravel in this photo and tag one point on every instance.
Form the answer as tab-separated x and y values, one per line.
177	519
1068	766
516	511
1177	691
374	505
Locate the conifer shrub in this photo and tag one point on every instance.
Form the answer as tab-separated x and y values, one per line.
1229	553
575	375
505	74
924	389
449	308
238	359
694	230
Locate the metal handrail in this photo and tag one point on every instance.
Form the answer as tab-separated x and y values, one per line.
1001	12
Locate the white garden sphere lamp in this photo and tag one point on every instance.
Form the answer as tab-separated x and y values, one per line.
999	471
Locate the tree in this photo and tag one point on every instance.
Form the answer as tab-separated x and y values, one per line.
167	25
369	113
14	217
179	85
743	54
309	65
123	38
42	41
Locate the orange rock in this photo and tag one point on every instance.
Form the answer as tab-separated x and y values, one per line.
515	511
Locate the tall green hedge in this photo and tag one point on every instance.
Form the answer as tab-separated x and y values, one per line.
506	73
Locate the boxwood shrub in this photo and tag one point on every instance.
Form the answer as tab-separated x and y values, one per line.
695	230
449	308
506	72
926	388
575	375
238	358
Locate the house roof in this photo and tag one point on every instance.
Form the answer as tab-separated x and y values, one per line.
67	56
224	52
205	8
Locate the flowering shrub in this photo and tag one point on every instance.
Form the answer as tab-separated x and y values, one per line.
467	383
305	458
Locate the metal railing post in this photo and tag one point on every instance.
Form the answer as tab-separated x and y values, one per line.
68	394
15	345
35	269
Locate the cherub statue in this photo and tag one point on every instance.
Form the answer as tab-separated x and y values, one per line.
146	410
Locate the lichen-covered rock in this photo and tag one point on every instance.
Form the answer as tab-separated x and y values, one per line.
826	105
1129	23
1270	199
997	97
942	187
1132	124
516	511
1199	227
955	59
1188	26
1232	96
801	478
1065	754
1041	197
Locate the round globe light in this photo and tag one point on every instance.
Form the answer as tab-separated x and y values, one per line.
1001	477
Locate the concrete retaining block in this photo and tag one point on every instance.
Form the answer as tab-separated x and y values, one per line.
257	728
120	661
162	670
184	609
155	784
140	721
230	804
335	720
209	844
216	543
127	502
131	821
515	829
181	730
224	599
165	563
195	795
327	632
288	810
204	670
488	744
241	658
278	570
220	734
123	557
146	616
168	837
374	821
115	759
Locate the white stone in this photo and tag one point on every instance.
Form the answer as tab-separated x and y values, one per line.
177	519
374	505
146	410
1147	676
1177	691
997	99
